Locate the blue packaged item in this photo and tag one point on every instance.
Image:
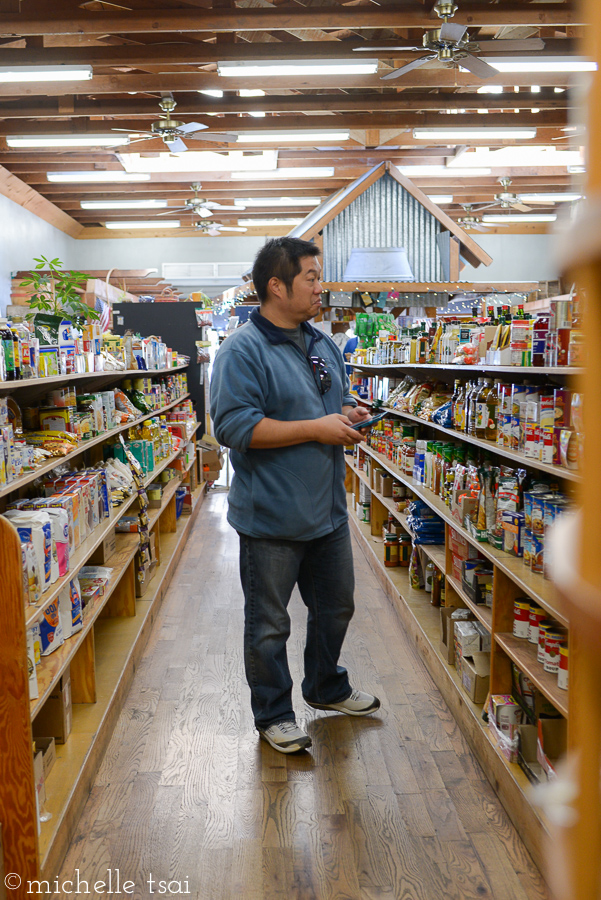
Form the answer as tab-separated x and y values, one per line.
444	415
51	632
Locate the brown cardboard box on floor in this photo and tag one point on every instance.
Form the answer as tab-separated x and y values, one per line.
54	718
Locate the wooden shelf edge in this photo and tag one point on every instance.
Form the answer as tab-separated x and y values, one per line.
82	376
53	847
508	780
510	370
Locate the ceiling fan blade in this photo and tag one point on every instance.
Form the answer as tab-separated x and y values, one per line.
173	209
477	66
191	126
130	131
452	33
218	206
540	203
521	207
369	48
232	228
396	73
176	146
479	226
222	137
480	206
500	45
202	211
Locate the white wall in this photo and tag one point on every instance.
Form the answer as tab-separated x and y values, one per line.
516	257
23	236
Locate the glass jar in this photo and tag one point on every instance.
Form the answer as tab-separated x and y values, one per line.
391	550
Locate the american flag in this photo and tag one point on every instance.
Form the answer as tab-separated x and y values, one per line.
105	313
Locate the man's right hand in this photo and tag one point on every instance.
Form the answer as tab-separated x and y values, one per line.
336	429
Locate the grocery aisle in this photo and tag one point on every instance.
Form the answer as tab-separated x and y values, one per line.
388	807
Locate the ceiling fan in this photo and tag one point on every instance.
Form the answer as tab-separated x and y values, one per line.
450	44
506	199
199	206
172	131
213	229
471	221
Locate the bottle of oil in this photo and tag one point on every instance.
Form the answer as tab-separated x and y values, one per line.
470	424
481	407
458	404
493	411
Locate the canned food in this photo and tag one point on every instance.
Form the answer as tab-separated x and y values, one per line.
538	552
553	642
521	618
527	548
537	615
543	627
538	512
562	672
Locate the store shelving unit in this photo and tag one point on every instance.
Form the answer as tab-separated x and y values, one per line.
101	659
511	579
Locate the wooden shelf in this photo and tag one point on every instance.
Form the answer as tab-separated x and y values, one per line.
82	447
482	613
521	458
168	492
531	583
422	622
8	386
524	655
119	644
513	370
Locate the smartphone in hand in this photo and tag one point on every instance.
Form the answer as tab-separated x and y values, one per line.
368	423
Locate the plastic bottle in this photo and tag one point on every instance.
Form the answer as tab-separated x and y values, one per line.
16	353
493	409
458	401
481	408
24	336
470	407
6	336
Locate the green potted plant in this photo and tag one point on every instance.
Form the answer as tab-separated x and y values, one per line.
58	293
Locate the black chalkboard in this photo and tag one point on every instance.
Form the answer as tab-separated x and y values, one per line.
174	323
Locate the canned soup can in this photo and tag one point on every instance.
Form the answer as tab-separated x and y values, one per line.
543	627
562	672
553	642
537	615
521	618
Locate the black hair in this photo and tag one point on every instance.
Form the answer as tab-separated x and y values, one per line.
280	258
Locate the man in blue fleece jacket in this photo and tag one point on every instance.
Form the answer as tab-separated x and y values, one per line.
280	399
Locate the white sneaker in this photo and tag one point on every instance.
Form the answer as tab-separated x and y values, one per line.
286	737
358	704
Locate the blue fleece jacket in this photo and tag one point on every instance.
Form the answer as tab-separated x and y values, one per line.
292	493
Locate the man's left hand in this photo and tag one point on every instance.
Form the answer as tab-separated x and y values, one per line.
358	414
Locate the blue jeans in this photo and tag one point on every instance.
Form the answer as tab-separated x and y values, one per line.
269	570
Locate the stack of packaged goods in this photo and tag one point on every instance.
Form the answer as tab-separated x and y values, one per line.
50	346
65	419
505	336
498	504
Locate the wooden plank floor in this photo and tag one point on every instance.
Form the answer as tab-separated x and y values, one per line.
393	807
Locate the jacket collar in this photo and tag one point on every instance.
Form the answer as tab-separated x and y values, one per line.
274	334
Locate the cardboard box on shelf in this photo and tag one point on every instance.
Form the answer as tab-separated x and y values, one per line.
38	777
386	482
475	675
55	716
48	747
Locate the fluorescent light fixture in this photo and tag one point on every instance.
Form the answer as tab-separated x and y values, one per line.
550	197
123	204
251	92
93	175
285	68
12	74
479	134
441	171
507	157
257	114
249	222
140	223
279	201
211	92
441	199
547	64
490	89
67	140
516	218
292	137
277	174
195	161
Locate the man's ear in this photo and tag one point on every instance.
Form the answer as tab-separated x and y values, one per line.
276	287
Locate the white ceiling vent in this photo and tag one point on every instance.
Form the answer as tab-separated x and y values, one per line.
186	272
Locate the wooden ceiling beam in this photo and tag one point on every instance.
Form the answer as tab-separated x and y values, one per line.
203	53
292	103
134	82
282	19
378	119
